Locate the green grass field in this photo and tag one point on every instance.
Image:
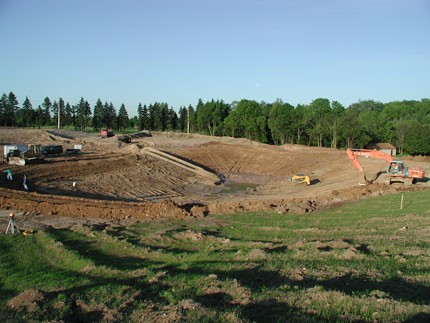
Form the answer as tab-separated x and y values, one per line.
364	261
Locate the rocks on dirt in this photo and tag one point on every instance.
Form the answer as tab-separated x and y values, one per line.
28	300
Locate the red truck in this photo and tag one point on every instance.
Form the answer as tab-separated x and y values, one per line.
106	133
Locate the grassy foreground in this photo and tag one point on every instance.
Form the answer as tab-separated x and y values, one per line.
365	261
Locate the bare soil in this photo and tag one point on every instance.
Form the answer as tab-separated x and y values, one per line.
123	183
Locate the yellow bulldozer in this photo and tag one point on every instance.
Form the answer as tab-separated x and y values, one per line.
301	178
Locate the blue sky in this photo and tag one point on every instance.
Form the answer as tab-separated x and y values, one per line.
178	51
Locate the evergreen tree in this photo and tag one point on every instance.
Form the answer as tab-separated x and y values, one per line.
203	117
192	119
46	105
68	119
87	112
83	113
163	116
109	118
10	108
27	113
40	117
220	112
183	119
74	115
3	104
54	110
152	116
133	123
172	123
140	116
143	118
123	119
59	113
98	115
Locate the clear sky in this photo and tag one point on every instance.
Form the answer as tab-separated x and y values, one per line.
177	51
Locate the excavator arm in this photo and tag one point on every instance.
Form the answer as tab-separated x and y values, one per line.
353	153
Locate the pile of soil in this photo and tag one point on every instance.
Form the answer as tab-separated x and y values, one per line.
111	181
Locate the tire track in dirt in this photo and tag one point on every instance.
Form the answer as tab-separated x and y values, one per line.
81	207
125	183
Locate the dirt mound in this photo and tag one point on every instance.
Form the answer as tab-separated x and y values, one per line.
122	182
131	149
27	300
26	136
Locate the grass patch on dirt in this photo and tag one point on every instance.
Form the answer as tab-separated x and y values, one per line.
364	261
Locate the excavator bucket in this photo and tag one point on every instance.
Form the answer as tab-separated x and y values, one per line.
366	181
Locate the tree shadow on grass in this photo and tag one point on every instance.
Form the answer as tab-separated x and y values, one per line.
83	299
77	306
5	293
273	310
419	318
90	250
257	280
215	300
397	288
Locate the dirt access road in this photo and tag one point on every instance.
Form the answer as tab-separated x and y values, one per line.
112	181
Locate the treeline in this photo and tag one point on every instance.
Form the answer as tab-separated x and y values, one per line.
322	123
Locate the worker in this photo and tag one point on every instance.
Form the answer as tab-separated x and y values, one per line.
9	174
24	183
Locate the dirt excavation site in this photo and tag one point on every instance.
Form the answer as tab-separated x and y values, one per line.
171	175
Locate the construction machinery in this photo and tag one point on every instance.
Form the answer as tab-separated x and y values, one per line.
21	154
73	151
301	178
52	150
396	169
125	138
106	133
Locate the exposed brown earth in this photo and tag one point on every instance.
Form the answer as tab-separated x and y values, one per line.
124	182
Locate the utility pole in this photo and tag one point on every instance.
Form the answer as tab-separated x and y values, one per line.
58	114
188	119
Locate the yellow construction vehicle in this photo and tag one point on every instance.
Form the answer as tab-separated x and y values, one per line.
300	178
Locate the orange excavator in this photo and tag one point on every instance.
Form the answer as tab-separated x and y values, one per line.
396	169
